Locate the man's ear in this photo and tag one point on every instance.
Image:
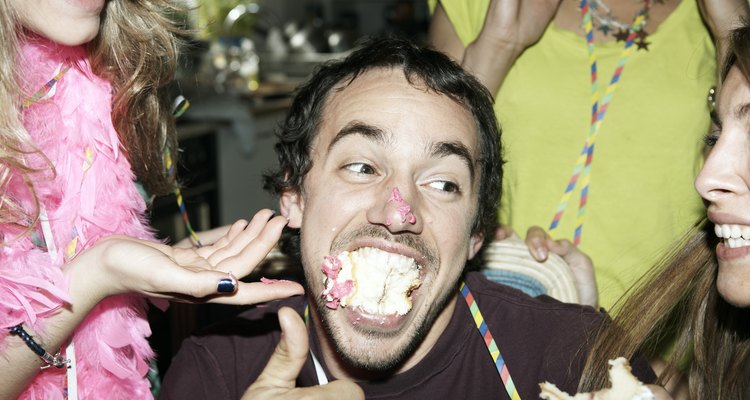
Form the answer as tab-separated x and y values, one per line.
475	243
291	205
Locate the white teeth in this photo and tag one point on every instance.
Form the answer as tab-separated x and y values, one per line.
734	243
734	235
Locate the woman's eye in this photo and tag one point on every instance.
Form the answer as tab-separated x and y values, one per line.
445	186
711	139
714	131
360	168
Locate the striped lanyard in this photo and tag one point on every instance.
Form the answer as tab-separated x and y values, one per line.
582	168
489	341
484	330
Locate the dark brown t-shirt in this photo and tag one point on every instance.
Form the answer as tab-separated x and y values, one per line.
540	339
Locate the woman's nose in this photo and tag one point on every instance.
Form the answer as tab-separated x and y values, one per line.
725	171
396	213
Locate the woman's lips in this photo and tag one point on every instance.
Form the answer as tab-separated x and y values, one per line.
93	6
725	253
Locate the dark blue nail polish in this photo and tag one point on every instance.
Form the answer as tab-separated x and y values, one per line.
226	285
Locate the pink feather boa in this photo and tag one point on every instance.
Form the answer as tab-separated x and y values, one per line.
111	346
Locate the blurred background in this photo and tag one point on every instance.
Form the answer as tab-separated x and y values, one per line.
240	67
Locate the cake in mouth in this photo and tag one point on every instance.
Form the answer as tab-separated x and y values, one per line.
374	281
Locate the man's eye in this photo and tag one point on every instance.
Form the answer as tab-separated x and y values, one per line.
360	168
445	186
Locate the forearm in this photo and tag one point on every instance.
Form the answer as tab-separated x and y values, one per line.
488	57
490	62
18	364
722	17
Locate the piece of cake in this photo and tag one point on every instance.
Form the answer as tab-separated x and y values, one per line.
376	281
625	386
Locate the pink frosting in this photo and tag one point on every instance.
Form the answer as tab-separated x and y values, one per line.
331	268
403	208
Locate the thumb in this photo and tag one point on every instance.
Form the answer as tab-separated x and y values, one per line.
287	360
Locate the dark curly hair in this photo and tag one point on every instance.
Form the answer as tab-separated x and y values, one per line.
421	66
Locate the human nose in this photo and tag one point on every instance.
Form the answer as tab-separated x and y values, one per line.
396	212
725	171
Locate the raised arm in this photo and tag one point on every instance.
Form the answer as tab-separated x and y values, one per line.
721	17
510	27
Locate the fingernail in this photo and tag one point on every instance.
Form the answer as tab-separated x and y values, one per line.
540	253
227	285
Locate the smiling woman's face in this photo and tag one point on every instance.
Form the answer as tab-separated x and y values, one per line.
724	182
68	22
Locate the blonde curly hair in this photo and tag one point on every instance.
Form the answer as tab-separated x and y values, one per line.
136	50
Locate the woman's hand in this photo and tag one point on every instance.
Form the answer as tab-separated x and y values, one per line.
540	244
205	274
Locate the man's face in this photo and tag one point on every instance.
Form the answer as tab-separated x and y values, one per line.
378	134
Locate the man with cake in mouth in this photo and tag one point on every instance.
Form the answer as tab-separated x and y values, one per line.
389	174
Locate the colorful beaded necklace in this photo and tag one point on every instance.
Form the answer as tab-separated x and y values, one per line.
602	16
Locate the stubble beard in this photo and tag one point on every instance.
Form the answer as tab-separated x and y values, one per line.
373	350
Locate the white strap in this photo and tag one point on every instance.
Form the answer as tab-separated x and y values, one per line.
322	378
49	240
70	354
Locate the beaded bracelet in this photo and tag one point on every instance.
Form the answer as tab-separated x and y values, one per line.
56	361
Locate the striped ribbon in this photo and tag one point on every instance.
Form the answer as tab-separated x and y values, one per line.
179	106
45	90
582	168
178	194
489	341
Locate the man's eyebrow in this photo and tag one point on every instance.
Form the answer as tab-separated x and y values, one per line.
437	149
358	127
444	149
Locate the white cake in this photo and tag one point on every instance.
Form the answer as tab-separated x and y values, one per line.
376	281
625	386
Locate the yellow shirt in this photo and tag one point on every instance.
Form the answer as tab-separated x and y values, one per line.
641	197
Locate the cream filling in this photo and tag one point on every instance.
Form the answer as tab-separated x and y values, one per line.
733	235
382	281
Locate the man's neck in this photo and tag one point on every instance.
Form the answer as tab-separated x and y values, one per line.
340	370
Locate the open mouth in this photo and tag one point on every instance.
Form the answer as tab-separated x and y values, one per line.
373	282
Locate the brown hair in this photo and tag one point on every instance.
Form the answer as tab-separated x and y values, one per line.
136	50
678	303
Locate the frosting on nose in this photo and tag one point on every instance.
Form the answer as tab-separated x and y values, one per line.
404	209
